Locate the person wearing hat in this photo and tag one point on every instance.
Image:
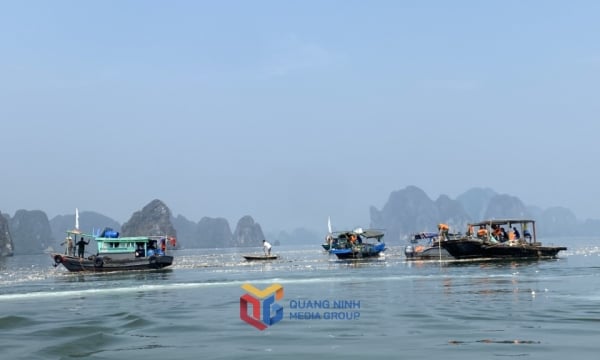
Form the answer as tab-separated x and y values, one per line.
69	245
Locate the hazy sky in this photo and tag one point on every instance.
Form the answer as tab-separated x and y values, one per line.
292	111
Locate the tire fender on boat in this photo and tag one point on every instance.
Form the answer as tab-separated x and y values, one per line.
58	259
98	262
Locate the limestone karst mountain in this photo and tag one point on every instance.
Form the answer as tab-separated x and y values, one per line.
153	219
247	233
30	232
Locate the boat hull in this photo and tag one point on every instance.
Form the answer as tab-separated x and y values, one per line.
359	252
464	248
106	264
427	253
475	248
260	257
522	251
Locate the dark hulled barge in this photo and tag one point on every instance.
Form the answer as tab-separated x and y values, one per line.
490	240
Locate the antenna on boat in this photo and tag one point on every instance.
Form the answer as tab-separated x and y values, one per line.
329	224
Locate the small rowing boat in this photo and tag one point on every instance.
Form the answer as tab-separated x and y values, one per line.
260	257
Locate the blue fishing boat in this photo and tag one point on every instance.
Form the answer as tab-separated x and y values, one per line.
356	244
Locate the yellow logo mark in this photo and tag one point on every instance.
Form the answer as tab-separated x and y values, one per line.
275	288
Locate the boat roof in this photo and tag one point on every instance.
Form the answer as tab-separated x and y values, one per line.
368	233
149	238
503	222
425	235
130	238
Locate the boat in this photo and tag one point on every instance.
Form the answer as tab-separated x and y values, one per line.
260	257
357	244
115	253
490	240
426	246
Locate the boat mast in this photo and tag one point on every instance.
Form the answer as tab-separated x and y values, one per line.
76	219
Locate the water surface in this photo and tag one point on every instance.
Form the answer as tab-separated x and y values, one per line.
412	310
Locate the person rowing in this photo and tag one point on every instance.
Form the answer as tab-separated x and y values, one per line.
267	248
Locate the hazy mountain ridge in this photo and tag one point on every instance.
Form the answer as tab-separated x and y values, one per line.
89	221
206	233
410	210
30	232
406	211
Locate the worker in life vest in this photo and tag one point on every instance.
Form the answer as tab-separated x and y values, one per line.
482	232
443	229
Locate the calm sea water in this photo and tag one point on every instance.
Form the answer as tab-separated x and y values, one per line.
410	310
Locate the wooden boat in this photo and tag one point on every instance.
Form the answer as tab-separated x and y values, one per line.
357	244
116	253
260	257
491	242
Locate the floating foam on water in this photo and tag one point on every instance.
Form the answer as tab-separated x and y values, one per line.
129	289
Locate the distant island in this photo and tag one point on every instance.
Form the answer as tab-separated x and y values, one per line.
406	211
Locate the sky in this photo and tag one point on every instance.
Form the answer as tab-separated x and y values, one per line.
293	111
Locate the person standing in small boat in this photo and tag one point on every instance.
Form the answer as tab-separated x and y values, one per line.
68	246
81	247
267	247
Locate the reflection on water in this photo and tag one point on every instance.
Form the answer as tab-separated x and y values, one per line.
4	262
133	276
